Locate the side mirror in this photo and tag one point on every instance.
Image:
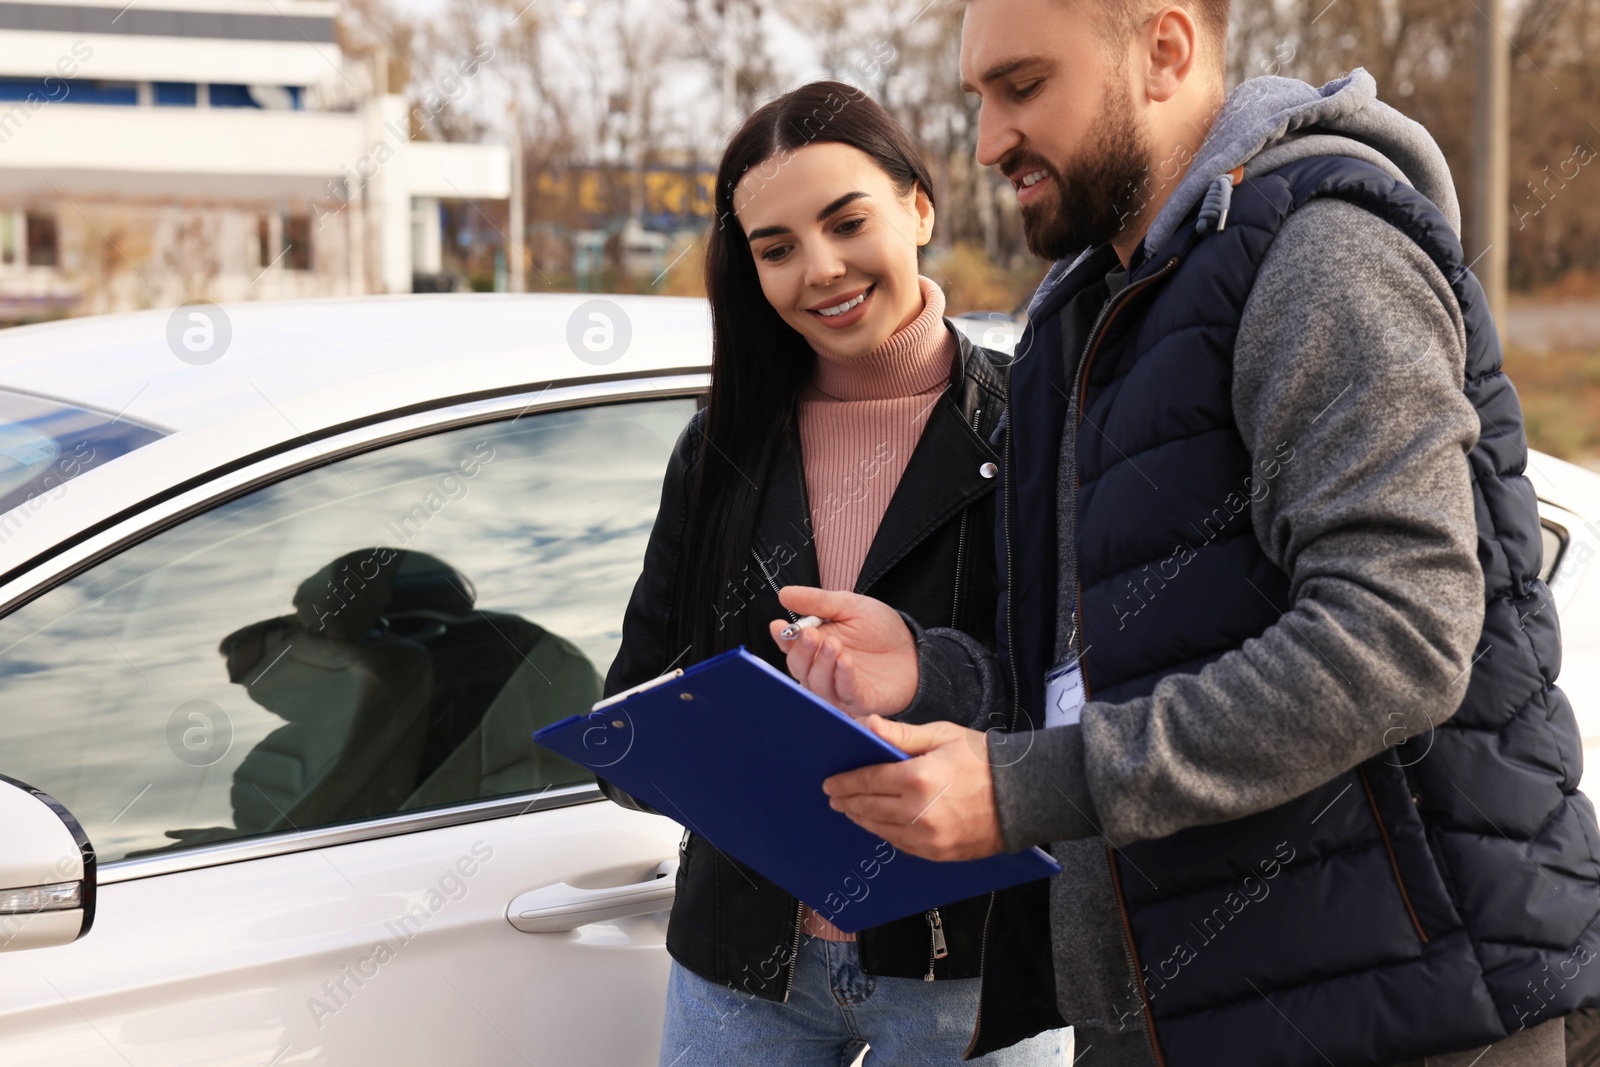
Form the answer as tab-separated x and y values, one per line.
47	884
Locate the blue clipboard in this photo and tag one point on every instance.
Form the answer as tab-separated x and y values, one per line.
736	751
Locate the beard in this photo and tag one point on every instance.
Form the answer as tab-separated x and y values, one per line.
1096	193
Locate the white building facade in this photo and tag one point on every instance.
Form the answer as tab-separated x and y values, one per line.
176	150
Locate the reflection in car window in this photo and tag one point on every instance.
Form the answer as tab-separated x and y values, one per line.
44	444
379	635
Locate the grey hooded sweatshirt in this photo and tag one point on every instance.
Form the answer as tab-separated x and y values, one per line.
1351	348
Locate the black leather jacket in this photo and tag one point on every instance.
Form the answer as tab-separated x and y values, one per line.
933	559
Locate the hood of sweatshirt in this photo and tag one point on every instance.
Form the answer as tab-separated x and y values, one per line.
1268	122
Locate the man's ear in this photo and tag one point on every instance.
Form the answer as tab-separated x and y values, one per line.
923	206
1166	52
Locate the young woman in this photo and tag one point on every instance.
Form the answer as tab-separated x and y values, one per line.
845	444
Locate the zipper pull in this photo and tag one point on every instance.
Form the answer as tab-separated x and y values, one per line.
1214	212
940	948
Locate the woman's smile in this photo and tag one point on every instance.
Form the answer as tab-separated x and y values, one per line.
846	311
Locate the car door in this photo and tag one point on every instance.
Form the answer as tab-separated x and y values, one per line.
292	710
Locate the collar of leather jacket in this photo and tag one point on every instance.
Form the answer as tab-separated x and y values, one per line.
953	465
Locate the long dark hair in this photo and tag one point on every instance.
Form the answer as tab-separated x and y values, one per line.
758	361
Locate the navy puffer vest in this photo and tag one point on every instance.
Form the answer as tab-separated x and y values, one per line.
1455	902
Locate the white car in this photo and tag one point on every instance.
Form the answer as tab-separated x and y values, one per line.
284	588
297	583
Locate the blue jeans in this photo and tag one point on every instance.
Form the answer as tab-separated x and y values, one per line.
834	1011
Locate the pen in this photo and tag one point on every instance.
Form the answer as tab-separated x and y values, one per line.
792	631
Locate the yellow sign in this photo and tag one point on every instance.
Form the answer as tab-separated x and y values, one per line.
677	193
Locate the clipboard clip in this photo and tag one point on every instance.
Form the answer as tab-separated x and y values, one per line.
617	698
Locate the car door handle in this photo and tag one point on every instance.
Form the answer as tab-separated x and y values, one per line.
555	909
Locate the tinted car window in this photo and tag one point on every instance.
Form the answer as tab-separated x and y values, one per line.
378	635
45	443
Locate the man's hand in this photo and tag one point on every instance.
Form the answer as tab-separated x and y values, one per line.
938	805
862	661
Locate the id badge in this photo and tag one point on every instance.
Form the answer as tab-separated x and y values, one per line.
1063	695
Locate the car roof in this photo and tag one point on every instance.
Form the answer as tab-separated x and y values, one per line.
294	368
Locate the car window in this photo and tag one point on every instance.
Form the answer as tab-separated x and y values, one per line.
380	634
44	444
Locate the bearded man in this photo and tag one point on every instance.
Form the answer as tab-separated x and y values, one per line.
1271	582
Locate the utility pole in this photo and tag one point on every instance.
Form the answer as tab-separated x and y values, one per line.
517	238
728	9
1491	154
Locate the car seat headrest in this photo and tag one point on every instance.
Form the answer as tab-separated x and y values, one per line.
348	597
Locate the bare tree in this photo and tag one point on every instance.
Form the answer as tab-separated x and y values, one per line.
731	38
1421	53
371	29
192	252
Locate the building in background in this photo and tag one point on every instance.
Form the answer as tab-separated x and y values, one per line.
175	150
602	226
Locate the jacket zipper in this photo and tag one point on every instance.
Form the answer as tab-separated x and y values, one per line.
961	542
1388	846
772	583
983	954
1080	387
1132	960
799	906
794	949
937	948
1011	725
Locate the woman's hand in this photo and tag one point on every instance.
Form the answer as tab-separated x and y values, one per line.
862	660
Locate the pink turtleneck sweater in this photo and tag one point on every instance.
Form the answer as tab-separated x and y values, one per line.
860	419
